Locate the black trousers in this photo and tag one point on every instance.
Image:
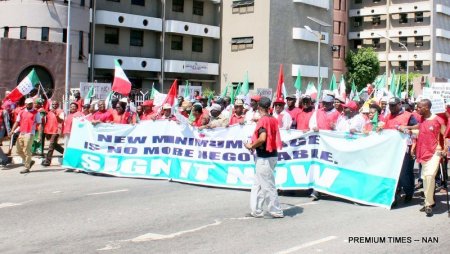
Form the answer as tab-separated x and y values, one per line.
53	146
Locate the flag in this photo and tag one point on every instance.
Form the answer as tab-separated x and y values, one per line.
311	90
89	95
245	86
280	83
319	89
342	88
224	92
187	93
392	86
354	95
153	92
333	85
374	121
298	81
121	84
25	87
427	83
109	99
398	92
172	94
210	97
233	94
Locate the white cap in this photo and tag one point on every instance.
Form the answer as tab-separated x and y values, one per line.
167	106
124	99
29	100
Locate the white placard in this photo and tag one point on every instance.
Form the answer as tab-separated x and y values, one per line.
191	90
427	92
441	89
159	99
437	105
266	92
101	90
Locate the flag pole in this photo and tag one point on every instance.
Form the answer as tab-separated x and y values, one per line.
68	58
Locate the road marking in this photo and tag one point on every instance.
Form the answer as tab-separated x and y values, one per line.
308	244
106	192
152	237
4	205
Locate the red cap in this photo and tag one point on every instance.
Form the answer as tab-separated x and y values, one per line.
255	98
352	105
148	103
198	98
279	100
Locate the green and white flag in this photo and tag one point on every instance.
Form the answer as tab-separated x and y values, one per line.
25	87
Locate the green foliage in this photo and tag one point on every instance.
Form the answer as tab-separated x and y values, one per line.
207	92
363	67
411	77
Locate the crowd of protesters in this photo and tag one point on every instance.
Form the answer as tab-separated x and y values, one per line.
30	122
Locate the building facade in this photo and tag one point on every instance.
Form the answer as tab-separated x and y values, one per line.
340	39
258	36
132	32
423	27
33	34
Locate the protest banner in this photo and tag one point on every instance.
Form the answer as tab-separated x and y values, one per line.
191	90
441	90
340	164
101	90
437	105
427	93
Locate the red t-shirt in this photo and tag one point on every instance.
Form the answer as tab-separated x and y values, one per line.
294	113
326	120
52	126
303	120
235	119
125	118
68	122
428	138
104	117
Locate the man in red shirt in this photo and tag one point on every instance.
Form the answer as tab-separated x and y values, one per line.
304	116
148	110
52	130
102	115
28	121
265	140
73	113
238	116
429	151
78	100
292	109
327	115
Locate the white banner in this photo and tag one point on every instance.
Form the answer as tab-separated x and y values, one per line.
101	90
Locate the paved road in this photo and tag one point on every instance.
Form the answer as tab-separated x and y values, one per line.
53	211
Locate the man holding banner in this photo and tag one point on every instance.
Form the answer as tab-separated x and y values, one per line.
265	140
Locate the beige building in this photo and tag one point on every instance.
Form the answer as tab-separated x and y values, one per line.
340	39
258	36
33	35
132	32
422	26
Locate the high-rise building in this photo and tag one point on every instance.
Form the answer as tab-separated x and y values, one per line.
258	36
404	33
33	35
340	39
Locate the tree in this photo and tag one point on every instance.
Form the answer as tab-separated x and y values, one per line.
411	76
363	67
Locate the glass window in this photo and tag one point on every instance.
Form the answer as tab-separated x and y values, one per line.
403	40
23	32
241	43
403	18
176	42
376	43
136	38
44	34
138	2
358	1
418	17
197	44
111	35
376	20
178	5
243	6
64	35
197	8
80	45
418	65
357	44
82	2
6	32
357	22
402	66
419	41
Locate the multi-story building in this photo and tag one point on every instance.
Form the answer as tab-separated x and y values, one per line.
258	36
132	32
422	26
340	39
33	34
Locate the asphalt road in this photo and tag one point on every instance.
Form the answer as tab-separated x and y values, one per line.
53	211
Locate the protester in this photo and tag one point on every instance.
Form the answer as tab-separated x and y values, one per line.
197	113
252	115
292	109
238	113
429	151
28	121
167	113
304	116
351	121
148	114
38	143
401	120
87	109
15	135
121	116
102	115
215	117
265	140
339	104
73	113
373	118
78	100
284	118
326	116
5	130
52	130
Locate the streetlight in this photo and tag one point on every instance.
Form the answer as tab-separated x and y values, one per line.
407	61
319	39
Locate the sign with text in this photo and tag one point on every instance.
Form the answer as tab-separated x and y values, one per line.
267	92
339	164
191	90
437	105
441	89
195	67
101	90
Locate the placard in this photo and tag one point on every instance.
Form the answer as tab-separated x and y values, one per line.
437	105
101	90
266	92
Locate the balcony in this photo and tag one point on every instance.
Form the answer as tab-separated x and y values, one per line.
191	67
368	11
309	71
410	8
128	63
325	4
443	33
404	32
441	57
443	9
127	20
194	29
299	33
413	56
368	34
